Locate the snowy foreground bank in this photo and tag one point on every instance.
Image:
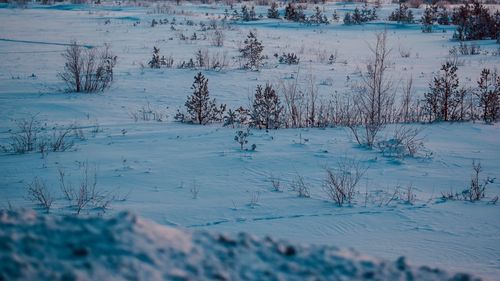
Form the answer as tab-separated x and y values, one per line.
126	247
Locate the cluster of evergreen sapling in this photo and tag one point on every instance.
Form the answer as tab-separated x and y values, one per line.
360	16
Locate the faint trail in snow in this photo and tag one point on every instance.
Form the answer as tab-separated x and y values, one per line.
267	218
43	43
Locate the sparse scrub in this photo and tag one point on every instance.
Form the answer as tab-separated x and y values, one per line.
32	136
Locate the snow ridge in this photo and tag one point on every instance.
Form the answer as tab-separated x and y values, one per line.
127	247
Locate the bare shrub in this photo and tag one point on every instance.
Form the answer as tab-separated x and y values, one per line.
254	199
85	195
194	190
405	142
32	136
148	113
88	70
374	98
340	184
217	38
60	139
298	185
477	187
38	193
276	183
476	190
409	196
26	138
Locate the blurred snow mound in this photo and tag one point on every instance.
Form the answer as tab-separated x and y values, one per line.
127	247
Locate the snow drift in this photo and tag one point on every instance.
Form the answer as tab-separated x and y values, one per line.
126	247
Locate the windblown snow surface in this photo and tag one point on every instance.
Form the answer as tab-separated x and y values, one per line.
127	247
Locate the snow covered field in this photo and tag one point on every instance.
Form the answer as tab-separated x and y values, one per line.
196	177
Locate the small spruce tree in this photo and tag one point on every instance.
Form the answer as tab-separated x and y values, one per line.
489	95
155	61
252	52
266	108
273	12
200	107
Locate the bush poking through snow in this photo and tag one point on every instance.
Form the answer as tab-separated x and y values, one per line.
276	183
241	138
85	195
148	113
298	185
340	184
201	109
26	138
254	199
88	70
289	58
477	186
32	136
194	190
405	142
37	192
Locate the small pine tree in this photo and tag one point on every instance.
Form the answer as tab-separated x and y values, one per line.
200	107
402	14
266	108
155	62
428	19
273	12
443	17
357	17
444	95
252	52
489	95
348	19
335	16
245	15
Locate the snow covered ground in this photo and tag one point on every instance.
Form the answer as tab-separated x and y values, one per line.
126	247
154	168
